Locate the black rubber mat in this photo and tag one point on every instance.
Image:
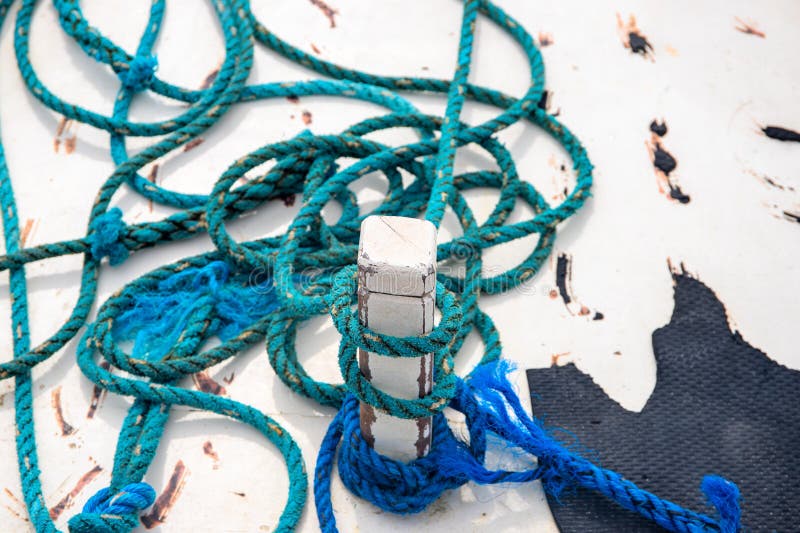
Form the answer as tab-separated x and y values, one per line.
720	406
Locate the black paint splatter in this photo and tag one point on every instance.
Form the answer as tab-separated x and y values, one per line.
659	128
781	134
544	103
639	43
794	217
663	160
564	284
676	193
562	274
665	163
543	100
632	37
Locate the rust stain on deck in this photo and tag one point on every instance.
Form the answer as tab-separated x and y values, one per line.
69	144
209	79
27	231
166	500
67	501
194	143
55	401
771	182
65	133
749	28
556	356
206	383
208	449
327	10
307	118
152	177
98	394
19	514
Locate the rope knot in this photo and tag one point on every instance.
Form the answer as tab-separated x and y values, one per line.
113	513
140	74
106	234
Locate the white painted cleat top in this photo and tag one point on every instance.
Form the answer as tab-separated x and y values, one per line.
397	255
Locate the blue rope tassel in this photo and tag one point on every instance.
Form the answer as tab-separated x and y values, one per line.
490	405
248	292
156	319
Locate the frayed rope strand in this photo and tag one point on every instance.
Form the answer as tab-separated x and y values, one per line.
157	318
491	406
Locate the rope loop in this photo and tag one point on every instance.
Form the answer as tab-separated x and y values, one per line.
356	336
437	341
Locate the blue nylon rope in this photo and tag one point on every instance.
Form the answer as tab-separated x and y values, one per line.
248	292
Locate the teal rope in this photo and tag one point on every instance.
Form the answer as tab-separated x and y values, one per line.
446	154
307	271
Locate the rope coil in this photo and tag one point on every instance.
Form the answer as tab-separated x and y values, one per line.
355	335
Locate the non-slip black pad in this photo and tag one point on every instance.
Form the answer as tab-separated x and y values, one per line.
720	406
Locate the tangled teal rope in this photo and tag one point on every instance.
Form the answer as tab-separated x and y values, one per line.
248	292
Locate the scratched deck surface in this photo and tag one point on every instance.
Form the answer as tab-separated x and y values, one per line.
711	192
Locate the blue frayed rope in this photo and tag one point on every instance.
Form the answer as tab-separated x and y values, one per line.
107	512
156	319
490	405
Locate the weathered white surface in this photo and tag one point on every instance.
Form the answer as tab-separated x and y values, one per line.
711	83
397	255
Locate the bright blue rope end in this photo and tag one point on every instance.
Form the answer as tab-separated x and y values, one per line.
159	316
106	233
724	495
117	513
140	74
132	498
